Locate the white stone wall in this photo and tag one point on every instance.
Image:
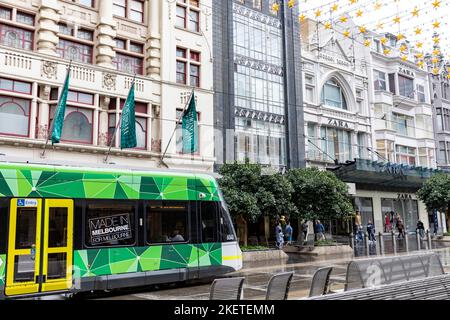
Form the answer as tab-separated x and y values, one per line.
156	87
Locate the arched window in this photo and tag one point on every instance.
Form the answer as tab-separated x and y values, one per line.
77	126
14	116
333	95
141	133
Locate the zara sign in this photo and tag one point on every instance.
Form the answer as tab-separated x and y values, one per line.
338	123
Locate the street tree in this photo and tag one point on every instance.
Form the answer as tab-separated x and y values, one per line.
319	194
435	192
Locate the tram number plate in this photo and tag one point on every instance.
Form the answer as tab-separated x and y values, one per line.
27	203
110	228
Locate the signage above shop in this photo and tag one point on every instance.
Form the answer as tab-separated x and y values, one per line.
406	72
394	170
336	60
338	123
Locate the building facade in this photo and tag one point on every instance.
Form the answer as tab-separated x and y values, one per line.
257	106
165	45
368	118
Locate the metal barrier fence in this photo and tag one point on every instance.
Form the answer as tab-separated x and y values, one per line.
389	243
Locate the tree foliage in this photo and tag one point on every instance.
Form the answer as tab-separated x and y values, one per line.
319	194
435	192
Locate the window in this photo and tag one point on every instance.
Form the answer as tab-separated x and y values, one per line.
386	149
14	116
188	11
167	222
15	86
405	155
70	48
444	152
333	95
109	224
227	230
183	63
392	83
257	4
406	86
379	80
5	13
439	119
78	120
336	144
25	18
403	124
209	221
129	57
16	37
179	132
87	3
362	146
420	93
313	152
131	9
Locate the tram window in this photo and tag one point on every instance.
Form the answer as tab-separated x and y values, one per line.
57	230
109	224
209	221
167	222
26	228
227	231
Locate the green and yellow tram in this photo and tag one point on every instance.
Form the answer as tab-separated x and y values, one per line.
66	229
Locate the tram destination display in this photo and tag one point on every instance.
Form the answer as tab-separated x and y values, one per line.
110	228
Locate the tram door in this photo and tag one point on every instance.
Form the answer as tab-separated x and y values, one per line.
39	246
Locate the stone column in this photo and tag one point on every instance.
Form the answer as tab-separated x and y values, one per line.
105	33
156	129
44	113
103	121
47	38
154	40
33	112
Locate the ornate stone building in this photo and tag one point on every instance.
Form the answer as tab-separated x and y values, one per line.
165	45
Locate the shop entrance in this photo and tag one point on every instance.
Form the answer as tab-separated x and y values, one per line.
408	209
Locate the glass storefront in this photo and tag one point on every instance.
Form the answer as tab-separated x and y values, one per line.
365	207
408	209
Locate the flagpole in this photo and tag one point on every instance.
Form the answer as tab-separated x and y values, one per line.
173	133
117	125
53	121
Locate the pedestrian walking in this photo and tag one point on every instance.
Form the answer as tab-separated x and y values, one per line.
387	222
400	228
371	231
279	235
320	229
305	231
420	227
289	231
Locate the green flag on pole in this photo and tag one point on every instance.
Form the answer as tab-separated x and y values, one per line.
190	128
128	122
58	120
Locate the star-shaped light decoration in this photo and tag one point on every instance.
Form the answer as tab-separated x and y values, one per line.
334	7
420	63
419	55
415	12
367	42
327	25
343	19
383	40
436	52
353	1
359	13
436	24
379	26
403	48
436	40
291	3
275	7
435	71
386	51
404	57
377	5
417	31
400	36
419	44
396	19
346	33
318	13
434	60
301	17
362	29
436	4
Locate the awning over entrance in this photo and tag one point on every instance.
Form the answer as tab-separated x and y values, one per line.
384	174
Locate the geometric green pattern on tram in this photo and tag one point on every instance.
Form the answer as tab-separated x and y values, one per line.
2	268
99	262
34	181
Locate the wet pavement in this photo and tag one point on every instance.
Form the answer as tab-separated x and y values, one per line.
257	277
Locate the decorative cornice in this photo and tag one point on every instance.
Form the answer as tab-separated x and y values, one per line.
259	115
258	65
